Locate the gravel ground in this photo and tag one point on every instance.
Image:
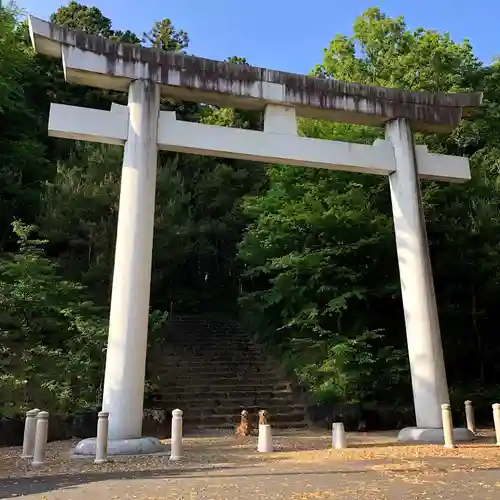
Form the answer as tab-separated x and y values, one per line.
303	467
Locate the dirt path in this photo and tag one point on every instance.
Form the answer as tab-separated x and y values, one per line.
303	467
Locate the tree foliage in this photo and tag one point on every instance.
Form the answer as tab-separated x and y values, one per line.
165	36
62	333
310	253
83	17
320	263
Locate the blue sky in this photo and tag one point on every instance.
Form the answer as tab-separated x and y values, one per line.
286	34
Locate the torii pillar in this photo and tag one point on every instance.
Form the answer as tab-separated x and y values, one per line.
428	374
128	323
143	129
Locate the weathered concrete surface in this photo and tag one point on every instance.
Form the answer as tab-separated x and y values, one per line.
72	122
97	61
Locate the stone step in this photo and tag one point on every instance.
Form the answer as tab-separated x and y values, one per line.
207	370
188	371
245	402
231	419
205	335
258	364
208	410
217	380
202	364
227	387
199	363
206	338
229	408
216	396
212	369
197	322
216	328
183	379
211	344
215	357
197	429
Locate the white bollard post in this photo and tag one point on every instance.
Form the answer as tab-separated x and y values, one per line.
29	433
176	439
496	419
447	426
469	416
42	430
265	439
101	450
338	436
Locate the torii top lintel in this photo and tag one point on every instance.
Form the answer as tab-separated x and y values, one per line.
99	62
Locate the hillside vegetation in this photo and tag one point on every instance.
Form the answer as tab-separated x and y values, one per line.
304	257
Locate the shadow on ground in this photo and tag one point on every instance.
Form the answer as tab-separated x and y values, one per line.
229	457
16	487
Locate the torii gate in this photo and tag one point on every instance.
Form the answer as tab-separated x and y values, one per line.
143	129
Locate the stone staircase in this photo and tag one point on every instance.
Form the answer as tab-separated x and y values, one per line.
211	369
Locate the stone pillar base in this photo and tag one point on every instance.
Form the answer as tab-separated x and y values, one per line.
433	435
137	446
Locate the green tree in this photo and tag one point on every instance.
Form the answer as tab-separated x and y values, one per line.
237	60
22	160
163	35
78	16
339	303
125	37
382	51
53	336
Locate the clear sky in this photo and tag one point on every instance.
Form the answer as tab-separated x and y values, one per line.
287	34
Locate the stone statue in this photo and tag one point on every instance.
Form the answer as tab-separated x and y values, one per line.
245	426
263	417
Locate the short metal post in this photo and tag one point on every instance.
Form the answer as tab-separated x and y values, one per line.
101	450
42	431
469	416
29	433
176	439
338	436
447	426
265	439
496	419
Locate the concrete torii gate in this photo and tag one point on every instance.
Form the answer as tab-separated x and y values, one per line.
143	129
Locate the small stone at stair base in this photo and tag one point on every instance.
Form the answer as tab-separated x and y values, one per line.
433	435
245	427
137	446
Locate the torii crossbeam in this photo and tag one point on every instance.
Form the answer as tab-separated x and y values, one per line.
143	129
